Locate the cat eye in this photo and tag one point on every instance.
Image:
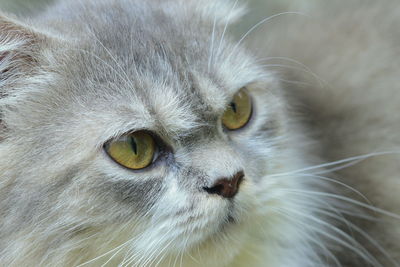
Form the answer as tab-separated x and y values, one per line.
134	151
239	111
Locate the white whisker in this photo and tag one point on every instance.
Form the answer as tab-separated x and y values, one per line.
346	199
262	22
212	43
350	160
339	183
226	27
353	245
305	67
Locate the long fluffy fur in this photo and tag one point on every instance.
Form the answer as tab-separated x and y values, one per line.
320	154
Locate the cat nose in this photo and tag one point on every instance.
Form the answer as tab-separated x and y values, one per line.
226	187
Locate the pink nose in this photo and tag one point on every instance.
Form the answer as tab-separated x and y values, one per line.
226	187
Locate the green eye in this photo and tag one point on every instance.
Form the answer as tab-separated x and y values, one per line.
238	114
134	151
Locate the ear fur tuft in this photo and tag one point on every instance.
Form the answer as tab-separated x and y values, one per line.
19	46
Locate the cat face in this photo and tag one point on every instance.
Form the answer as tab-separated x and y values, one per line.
171	77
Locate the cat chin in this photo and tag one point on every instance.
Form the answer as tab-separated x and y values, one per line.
217	249
195	244
219	243
208	232
218	229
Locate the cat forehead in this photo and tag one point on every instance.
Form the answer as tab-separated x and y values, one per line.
156	95
145	67
176	46
167	71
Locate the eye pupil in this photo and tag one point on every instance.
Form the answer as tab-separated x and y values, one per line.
233	106
134	145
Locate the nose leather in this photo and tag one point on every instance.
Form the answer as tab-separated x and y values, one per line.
226	187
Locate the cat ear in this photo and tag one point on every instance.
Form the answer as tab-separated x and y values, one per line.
19	47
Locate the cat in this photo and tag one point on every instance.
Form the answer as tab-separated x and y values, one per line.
140	133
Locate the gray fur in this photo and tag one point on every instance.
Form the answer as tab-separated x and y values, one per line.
85	72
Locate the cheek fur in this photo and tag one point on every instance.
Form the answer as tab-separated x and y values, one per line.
136	196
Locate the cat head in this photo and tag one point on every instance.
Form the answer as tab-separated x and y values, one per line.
120	129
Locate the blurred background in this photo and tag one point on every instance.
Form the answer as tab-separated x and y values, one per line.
258	9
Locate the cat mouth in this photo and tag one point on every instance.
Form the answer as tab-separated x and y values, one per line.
231	219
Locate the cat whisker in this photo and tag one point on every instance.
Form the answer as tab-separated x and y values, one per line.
349	242
259	24
212	43
361	232
148	253
337	162
183	252
295	82
295	68
305	238
176	260
155	256
112	256
106	253
339	183
338	209
225	28
346	199
322	82
163	255
339	217
121	246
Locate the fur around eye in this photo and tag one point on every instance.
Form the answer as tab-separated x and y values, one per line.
239	111
134	151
